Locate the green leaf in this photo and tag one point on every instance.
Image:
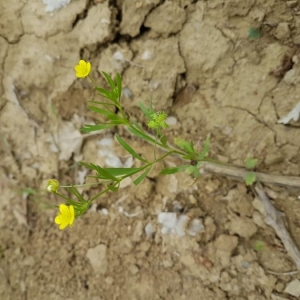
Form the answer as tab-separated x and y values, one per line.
109	80
141	135
113	188
259	246
250	178
90	128
142	177
129	149
76	193
145	110
191	169
187	146
123	171
105	93
205	150
174	170
250	163
114	118
163	140
119	84
102	173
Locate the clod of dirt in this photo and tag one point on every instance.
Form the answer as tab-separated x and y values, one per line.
293	288
98	20
66	141
166	19
282	31
200	60
242	226
37	21
114	59
156	76
221	249
134	14
10	22
238	8
98	258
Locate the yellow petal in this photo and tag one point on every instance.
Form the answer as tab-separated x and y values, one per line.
88	66
64	209
72	212
63	225
82	63
58	219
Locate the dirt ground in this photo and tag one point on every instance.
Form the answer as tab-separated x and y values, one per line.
227	68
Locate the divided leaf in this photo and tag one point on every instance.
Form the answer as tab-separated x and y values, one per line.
142	177
129	149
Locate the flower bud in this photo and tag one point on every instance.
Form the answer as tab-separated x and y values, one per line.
52	185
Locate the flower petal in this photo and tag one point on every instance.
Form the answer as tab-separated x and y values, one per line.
72	212
63	225
63	208
58	220
82	63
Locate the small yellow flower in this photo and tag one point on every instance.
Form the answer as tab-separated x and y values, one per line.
83	69
52	185
65	217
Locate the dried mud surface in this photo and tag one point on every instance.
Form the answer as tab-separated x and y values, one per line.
196	61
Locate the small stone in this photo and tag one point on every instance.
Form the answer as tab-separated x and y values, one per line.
109	280
282	31
133	269
138	232
293	288
149	229
226	243
97	258
171	121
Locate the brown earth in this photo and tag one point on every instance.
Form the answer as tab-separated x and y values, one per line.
199	62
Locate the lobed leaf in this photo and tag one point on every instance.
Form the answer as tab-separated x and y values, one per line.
129	149
142	177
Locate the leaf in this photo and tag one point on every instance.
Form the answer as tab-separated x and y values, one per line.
119	84
113	188
123	171
76	193
129	149
250	178
90	128
205	150
142	177
187	146
102	173
163	140
259	246
145	110
250	163
141	134
114	118
105	93
109	80
174	170
191	169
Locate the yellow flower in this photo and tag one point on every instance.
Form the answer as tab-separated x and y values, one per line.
65	217
83	69
52	185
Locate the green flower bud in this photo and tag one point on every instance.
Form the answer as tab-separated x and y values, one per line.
52	185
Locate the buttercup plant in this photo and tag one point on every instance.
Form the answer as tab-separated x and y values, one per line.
112	177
